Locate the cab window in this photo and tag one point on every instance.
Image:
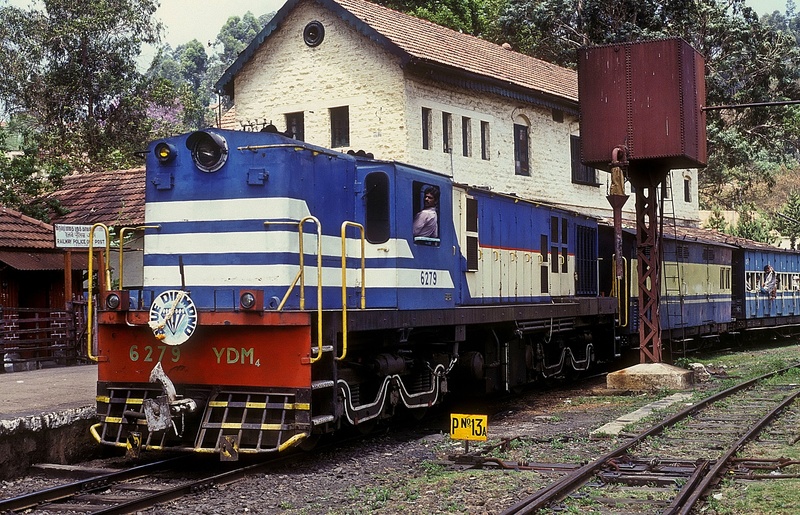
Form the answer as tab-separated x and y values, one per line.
425	225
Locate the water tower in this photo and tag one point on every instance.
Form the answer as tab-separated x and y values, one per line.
641	108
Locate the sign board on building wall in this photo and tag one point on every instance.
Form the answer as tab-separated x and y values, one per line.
77	236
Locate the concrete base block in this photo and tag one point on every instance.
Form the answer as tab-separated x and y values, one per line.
650	376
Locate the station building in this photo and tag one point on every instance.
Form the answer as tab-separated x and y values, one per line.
352	75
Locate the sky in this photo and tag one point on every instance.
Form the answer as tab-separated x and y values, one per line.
766	6
185	20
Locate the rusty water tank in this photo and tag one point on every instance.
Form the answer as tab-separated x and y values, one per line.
646	95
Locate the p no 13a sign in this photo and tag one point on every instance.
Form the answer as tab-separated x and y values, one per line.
468	427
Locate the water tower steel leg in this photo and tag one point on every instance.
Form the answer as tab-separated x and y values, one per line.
648	253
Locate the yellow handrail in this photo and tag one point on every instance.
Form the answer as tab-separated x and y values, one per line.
122	244
344	281
622	294
301	275
89	314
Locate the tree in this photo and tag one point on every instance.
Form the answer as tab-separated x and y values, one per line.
746	61
753	225
788	219
717	221
71	68
468	16
178	96
23	182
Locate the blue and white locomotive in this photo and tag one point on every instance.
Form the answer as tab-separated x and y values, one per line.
288	290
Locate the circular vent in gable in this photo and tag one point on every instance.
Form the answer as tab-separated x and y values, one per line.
314	33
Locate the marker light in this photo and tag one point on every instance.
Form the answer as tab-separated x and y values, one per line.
209	150
116	300
248	300
112	301
251	300
165	152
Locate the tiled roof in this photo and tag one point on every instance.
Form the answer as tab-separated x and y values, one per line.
703	235
427	41
18	231
422	42
113	198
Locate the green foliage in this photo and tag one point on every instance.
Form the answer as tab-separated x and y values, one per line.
468	16
717	221
753	225
25	180
788	221
178	96
71	68
747	61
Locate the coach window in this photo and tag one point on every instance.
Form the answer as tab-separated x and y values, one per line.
473	254
425	225
376	200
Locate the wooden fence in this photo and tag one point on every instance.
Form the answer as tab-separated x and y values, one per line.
34	338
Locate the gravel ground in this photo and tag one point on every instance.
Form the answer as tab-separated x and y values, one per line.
406	471
405	468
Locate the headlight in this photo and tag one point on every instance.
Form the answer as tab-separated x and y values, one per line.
209	150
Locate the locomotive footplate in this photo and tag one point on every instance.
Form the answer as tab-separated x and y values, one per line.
230	421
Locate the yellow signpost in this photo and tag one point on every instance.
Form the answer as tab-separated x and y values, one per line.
468	427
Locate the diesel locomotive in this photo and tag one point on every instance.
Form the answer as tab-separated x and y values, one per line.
289	290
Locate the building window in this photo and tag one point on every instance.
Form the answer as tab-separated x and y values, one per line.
521	150
558	115
447	132
426	128
295	127
340	126
581	174
485	141
687	189
666	188
466	136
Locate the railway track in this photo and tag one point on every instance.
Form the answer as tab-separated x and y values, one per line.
670	466
125	491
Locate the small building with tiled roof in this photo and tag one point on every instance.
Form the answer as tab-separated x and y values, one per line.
353	75
31	267
113	198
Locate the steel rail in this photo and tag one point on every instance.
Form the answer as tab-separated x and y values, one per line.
61	492
570	482
683	507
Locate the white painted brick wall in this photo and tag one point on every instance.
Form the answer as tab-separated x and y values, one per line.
287	76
